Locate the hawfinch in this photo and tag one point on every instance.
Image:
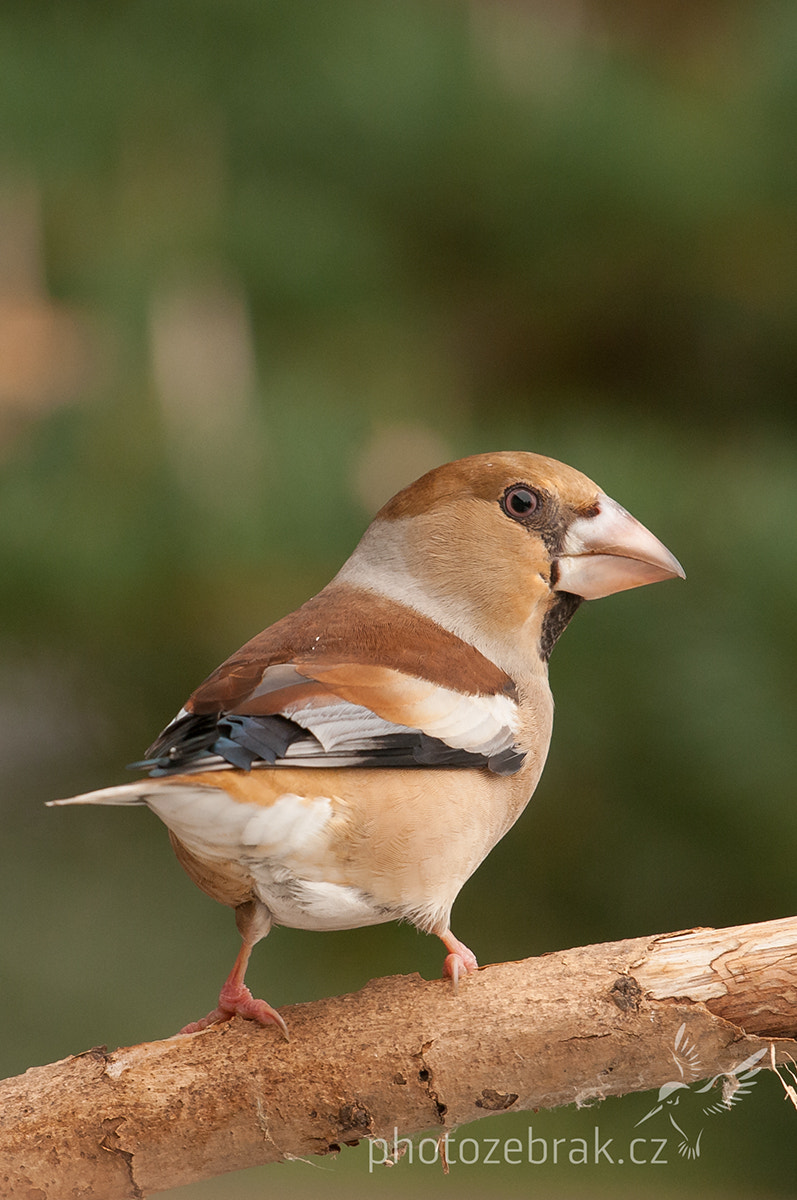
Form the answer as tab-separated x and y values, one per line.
355	762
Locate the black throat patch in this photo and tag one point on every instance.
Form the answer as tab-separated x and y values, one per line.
556	620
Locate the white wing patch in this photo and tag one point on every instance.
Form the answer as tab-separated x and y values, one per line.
478	724
340	725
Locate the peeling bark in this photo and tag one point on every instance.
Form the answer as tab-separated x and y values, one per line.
570	1027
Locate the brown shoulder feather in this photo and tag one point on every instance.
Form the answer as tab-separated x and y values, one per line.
348	624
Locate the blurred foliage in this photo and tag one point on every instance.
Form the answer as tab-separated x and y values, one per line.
261	263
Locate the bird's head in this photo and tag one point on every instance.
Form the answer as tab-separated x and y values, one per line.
502	548
669	1096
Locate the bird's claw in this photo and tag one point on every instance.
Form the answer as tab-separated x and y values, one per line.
239	1002
459	961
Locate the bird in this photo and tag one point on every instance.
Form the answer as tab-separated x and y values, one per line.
356	761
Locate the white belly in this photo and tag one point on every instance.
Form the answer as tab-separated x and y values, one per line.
306	904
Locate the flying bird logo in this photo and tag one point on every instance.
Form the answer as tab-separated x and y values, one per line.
696	1103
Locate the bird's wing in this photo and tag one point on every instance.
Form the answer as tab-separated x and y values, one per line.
736	1085
391	692
685	1055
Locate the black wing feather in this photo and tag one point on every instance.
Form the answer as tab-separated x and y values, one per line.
193	742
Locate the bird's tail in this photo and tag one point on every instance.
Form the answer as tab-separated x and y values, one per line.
125	793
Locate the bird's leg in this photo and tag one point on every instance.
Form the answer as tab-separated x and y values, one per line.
459	960
235	997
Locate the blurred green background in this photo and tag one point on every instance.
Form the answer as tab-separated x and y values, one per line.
262	262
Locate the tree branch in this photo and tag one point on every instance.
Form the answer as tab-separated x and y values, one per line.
570	1027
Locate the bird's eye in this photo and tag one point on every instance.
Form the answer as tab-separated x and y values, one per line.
520	502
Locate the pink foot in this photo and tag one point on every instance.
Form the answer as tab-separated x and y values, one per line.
460	960
239	1001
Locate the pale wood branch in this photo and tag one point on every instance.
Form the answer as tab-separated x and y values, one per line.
403	1053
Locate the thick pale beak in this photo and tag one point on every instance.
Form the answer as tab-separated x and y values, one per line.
610	552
